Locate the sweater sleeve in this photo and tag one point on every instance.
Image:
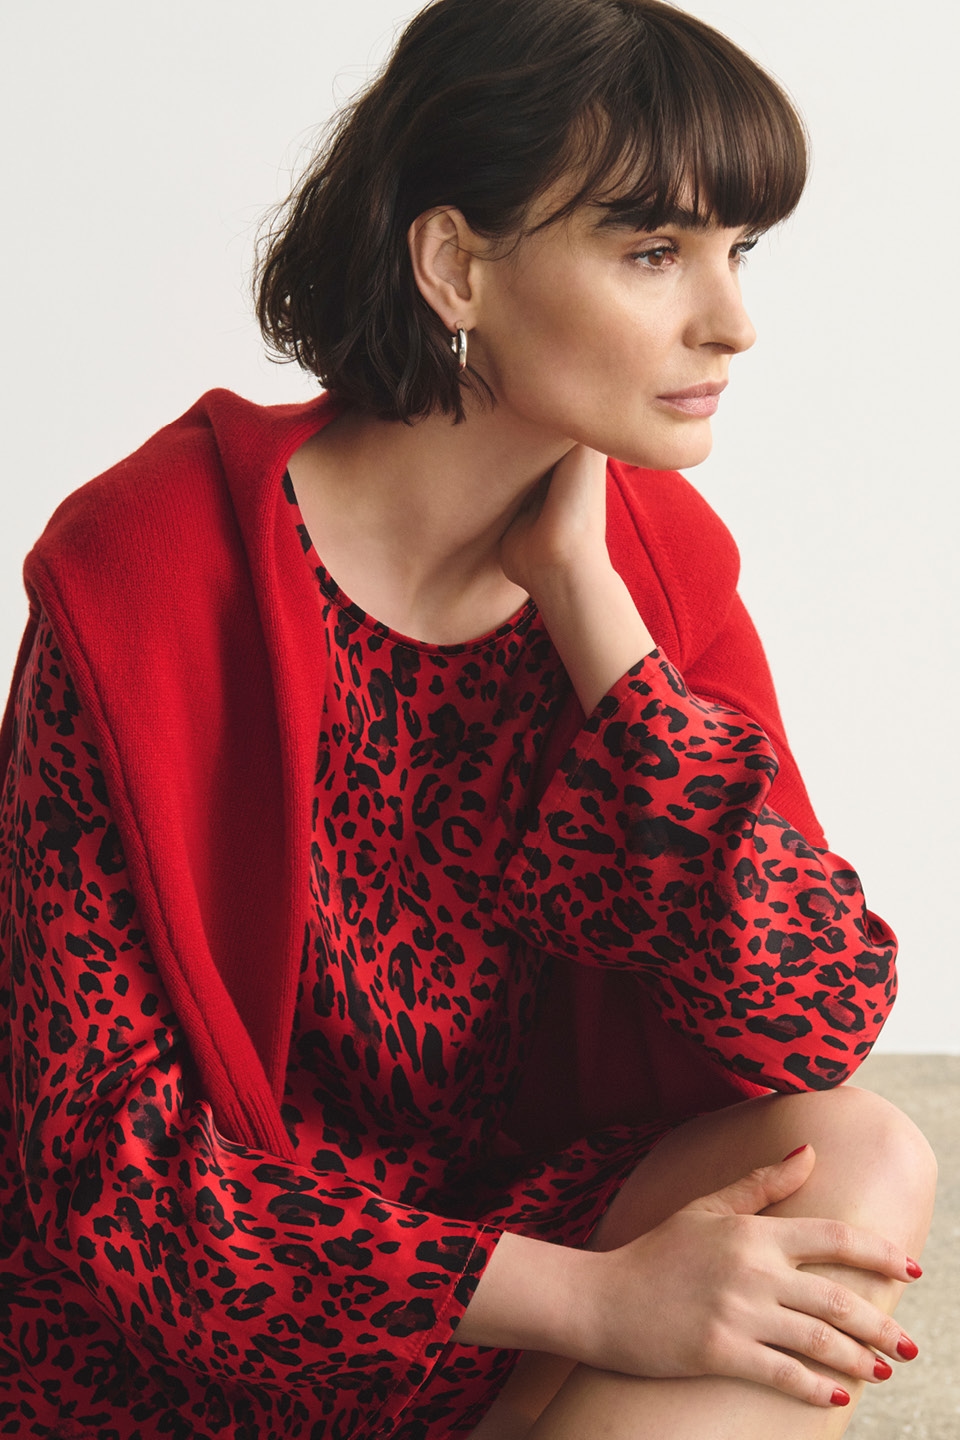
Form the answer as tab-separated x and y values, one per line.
654	849
218	1260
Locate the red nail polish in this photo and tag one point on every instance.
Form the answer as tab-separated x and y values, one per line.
913	1270
906	1348
881	1370
793	1152
839	1397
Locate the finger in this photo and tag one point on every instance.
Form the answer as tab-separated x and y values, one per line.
833	1242
581	460
580	471
823	1306
762	1187
785	1373
821	1344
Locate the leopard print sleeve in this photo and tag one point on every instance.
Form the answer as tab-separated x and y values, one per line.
653	849
227	1269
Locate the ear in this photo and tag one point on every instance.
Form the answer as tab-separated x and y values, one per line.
443	252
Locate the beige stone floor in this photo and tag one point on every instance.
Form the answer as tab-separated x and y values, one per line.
922	1401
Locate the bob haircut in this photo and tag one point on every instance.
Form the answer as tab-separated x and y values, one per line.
484	106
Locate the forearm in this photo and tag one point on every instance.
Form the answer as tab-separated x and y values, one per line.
595	626
531	1297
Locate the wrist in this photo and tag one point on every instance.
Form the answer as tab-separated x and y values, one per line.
565	583
534	1296
595	626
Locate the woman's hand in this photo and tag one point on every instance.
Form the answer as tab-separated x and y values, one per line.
556	549
714	1290
561	525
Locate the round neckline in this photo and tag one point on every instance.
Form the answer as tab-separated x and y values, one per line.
521	619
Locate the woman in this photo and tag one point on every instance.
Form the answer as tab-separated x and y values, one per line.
403	863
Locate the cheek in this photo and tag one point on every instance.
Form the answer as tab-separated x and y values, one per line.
556	341
543	312
535	361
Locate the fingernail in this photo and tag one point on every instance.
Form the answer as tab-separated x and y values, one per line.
906	1349
839	1397
790	1157
913	1270
881	1370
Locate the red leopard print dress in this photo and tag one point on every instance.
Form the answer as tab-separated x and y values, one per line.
233	1295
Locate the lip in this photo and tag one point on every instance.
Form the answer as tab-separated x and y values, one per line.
696	400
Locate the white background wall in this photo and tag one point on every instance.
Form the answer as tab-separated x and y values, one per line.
141	144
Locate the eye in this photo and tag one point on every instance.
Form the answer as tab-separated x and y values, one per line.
656	258
740	251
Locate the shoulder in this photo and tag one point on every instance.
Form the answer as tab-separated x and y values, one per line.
219	447
153	566
660	527
144	493
177	495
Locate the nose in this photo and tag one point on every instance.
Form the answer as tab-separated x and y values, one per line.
720	318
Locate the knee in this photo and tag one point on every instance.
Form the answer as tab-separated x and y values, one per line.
902	1145
869	1135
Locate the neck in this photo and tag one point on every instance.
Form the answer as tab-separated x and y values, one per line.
425	504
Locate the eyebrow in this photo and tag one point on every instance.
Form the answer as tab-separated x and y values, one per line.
622	215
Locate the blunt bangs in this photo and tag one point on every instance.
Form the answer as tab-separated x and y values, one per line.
690	129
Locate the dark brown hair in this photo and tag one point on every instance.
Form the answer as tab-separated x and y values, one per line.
484	105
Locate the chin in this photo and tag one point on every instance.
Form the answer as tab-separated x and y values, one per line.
647	440
670	455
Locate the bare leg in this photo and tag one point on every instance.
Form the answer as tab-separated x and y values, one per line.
873	1169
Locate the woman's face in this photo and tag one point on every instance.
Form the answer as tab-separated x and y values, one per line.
588	330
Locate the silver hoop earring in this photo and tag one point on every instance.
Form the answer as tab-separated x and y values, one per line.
458	344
